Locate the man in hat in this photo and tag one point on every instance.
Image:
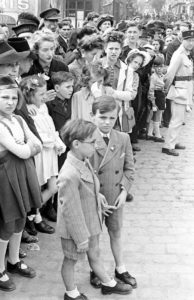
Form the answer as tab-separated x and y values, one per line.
26	17
25	30
50	18
104	22
92	18
171	48
179	85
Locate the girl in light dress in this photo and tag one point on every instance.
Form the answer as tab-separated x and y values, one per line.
20	191
46	162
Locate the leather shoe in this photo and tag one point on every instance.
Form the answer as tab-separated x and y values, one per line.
170	152
119	288
80	297
159	140
27	238
17	268
30	228
7	285
44	227
94	280
180	147
126	278
22	253
129	198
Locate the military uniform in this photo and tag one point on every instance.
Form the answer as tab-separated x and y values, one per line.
179	79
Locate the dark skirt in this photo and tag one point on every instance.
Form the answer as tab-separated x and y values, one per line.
20	191
160	99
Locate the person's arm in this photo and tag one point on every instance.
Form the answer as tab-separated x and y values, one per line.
71	208
74	107
151	96
8	142
175	64
128	169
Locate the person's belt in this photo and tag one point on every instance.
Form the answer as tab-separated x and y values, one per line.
183	78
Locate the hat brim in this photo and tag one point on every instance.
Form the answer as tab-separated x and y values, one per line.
104	20
9	58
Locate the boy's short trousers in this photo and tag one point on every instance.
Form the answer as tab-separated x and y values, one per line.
70	248
115	220
7	229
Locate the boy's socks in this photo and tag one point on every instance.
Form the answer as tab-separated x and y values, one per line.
31	217
151	128
14	246
121	269
3	248
111	283
157	129
74	293
38	218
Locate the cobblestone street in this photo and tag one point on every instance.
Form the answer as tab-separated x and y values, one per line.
158	234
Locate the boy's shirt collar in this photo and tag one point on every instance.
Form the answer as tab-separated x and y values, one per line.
104	134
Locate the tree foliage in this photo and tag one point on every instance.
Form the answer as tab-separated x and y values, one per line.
157	4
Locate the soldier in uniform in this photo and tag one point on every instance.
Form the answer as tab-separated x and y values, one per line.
179	84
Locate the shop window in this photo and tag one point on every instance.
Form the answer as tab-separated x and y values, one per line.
88	5
80	4
71	4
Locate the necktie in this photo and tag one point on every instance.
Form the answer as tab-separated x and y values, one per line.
106	139
125	121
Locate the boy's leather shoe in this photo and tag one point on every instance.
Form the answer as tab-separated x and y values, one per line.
17	268
170	152
94	280
135	148
44	227
80	297
126	278
180	147
119	288
30	228
159	140
7	285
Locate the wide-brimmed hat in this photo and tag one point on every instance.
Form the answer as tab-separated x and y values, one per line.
104	18
145	54
8	54
122	26
50	14
23	28
22	47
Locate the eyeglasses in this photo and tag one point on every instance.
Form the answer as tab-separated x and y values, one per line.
91	142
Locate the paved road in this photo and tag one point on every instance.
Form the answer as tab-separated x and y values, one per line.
158	235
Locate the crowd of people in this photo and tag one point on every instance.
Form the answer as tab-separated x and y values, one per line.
73	105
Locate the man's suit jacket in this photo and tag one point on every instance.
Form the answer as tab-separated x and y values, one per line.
113	164
79	209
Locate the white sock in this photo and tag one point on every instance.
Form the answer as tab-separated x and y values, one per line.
3	248
111	283
14	247
31	217
151	128
121	269
38	218
74	293
157	129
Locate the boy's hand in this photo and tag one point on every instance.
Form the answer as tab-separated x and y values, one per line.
106	209
83	247
50	96
121	199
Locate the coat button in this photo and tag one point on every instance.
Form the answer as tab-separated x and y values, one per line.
95	171
117	172
117	184
101	185
100	172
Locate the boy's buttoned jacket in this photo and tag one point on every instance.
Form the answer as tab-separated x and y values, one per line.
79	210
113	164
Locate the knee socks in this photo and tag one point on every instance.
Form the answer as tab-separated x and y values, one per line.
3	248
14	247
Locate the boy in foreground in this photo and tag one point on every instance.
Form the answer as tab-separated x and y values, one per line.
114	166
